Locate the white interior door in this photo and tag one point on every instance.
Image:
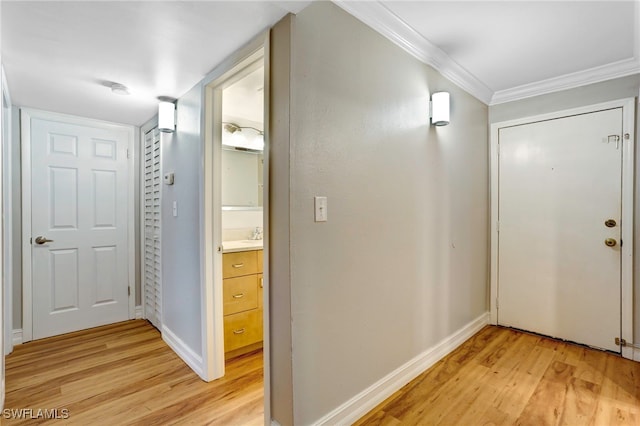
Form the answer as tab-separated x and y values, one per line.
152	207
559	183
79	202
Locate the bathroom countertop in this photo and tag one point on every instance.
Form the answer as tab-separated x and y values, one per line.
241	245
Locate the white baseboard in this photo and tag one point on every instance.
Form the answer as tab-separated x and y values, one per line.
636	354
138	312
17	337
192	359
365	401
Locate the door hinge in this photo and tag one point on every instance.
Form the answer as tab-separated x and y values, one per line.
127	152
129	291
31	240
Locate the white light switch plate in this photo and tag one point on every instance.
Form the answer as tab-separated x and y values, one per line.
321	209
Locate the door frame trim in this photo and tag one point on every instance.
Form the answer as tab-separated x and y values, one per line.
26	114
211	202
628	188
213	318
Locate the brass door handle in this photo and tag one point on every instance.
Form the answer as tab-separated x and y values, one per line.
42	240
238	265
238	296
610	242
240	331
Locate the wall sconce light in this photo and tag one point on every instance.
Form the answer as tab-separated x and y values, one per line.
234	136
440	108
166	117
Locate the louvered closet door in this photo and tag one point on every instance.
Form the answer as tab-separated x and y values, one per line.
152	197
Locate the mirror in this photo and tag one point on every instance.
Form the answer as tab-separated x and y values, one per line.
242	179
243	141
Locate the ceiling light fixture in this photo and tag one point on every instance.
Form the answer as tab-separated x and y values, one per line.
119	89
440	108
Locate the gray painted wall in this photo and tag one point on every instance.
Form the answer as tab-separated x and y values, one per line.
627	87
181	281
402	261
279	224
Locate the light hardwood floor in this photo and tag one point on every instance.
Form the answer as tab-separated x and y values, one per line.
504	377
124	374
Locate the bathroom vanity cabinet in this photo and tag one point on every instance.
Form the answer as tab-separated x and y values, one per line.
242	296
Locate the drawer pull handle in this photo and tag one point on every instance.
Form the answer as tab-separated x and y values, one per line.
238	265
238	296
239	331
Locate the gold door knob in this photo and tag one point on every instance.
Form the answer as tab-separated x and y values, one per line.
610	223
610	242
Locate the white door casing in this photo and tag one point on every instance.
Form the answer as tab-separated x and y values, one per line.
556	178
152	215
77	191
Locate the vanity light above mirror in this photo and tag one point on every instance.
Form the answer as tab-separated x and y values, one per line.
242	137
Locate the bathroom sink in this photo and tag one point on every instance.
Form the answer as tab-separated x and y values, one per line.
240	245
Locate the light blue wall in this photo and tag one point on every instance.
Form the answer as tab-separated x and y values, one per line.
181	266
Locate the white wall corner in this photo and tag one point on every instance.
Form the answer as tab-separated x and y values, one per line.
17	337
377	16
365	401
192	359
138	314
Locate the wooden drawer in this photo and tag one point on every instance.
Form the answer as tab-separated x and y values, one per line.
260	288
240	294
260	258
242	329
239	264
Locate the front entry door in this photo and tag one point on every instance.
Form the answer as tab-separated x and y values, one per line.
559	260
79	229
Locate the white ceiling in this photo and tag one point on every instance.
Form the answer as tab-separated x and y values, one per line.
58	55
508	44
243	101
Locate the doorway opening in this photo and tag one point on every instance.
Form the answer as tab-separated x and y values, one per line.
236	158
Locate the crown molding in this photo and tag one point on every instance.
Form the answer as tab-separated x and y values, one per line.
568	81
377	16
